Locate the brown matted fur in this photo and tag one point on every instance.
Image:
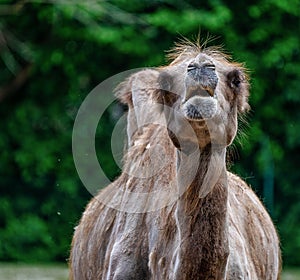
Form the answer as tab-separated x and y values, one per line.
216	229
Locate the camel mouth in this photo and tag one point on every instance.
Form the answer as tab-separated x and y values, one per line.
199	90
198	108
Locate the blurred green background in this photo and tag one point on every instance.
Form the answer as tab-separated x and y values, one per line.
53	53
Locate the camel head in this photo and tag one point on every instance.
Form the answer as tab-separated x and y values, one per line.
204	90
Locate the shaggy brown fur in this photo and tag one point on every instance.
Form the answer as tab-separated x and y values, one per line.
211	227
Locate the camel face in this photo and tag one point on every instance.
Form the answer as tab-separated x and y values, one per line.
206	90
201	80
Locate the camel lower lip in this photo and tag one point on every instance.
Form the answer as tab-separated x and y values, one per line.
199	108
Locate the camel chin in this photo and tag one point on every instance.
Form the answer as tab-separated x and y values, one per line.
199	108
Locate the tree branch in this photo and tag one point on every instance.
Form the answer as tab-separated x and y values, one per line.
16	83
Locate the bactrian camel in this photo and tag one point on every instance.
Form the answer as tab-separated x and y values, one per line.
175	212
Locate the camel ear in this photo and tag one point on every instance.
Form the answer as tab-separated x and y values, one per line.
238	83
164	94
123	92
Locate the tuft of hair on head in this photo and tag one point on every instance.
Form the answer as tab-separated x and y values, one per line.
185	48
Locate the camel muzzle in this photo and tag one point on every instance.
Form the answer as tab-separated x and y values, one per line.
202	76
200	101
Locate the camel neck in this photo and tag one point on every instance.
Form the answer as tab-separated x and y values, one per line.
204	212
199	172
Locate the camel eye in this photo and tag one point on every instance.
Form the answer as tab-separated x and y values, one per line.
210	66
192	67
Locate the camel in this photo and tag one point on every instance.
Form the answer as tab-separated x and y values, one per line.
175	212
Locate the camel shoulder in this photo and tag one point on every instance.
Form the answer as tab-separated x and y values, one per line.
245	208
245	202
241	190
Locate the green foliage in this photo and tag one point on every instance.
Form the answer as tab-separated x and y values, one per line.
68	48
